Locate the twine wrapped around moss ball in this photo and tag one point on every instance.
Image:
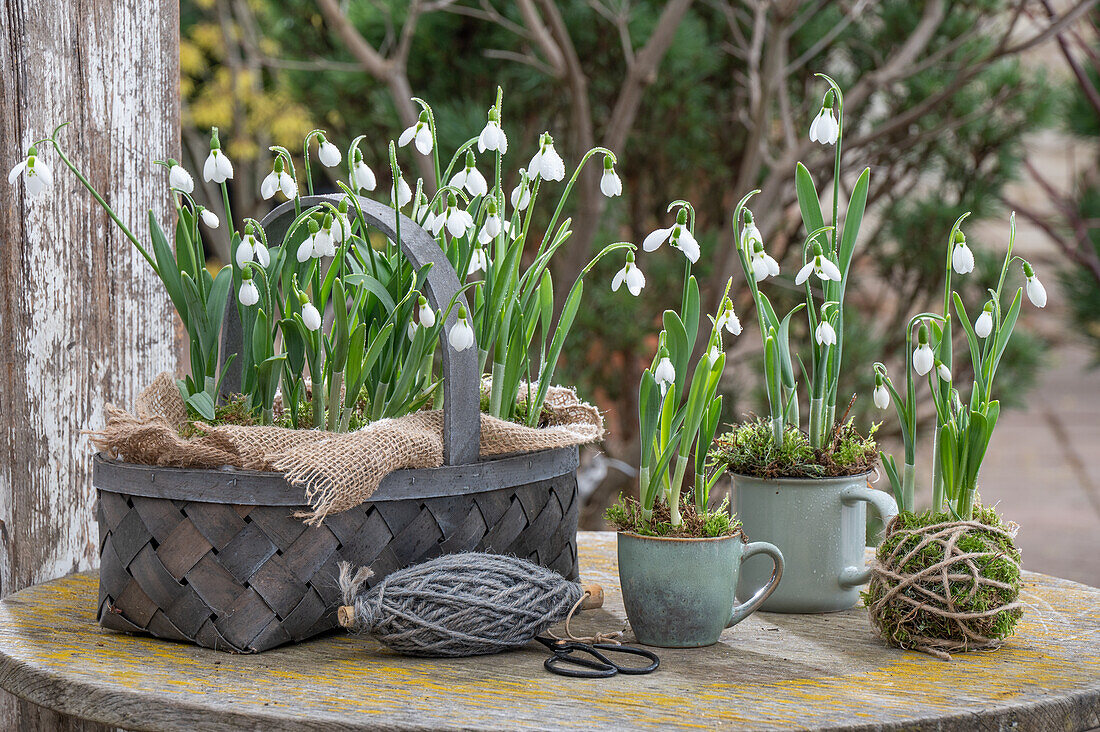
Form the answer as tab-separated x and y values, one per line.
946	587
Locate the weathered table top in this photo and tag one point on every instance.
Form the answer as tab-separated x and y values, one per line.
770	672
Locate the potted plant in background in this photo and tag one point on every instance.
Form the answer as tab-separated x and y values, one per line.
679	559
805	491
948	579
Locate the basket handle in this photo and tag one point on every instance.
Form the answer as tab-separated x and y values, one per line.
461	397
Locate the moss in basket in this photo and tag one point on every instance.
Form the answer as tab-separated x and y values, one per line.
626	515
750	449
908	628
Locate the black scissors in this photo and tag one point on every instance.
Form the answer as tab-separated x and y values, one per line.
598	666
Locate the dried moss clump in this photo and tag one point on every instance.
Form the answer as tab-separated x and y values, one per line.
626	515
911	607
749	449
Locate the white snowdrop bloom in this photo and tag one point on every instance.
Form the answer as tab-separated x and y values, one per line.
728	319
410	331
713	354
327	153
461	336
244	251
491	228
479	261
492	137
362	177
180	179
260	253
825	334
1034	288
426	314
311	317
521	196
512	232
962	259
420	132
821	266
825	128
664	374
341	227
459	220
610	184
305	250
923	359
546	163
881	396
404	193
278	180
983	326
323	245
750	234
470	178
37	176
248	294
631	275
209	218
763	264
434	222
217	168
677	235
943	371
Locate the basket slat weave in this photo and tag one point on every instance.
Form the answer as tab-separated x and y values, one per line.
247	578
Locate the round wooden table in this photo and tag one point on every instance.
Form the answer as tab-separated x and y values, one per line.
770	672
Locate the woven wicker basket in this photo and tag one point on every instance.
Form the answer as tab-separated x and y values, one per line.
217	558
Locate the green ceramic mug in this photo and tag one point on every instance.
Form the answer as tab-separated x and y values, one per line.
680	593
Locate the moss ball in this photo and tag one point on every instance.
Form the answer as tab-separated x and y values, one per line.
913	606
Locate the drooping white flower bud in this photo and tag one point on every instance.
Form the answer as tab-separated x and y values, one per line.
983	326
825	128
493	137
426	314
665	373
1034	288
461	336
631	275
311	317
327	153
248	295
209	218
825	334
923	358
546	163
180	179
881	394
37	176
610	184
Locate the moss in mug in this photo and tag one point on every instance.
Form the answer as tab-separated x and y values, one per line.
626	515
749	449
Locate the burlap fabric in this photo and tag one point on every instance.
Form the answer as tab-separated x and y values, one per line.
336	470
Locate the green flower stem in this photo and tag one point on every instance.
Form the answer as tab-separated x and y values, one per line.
909	487
817	422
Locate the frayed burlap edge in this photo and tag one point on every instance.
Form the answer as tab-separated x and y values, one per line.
337	471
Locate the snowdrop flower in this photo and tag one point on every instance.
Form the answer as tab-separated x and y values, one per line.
248	294
493	225
308	248
820	265
403	195
521	196
546	163
983	326
310	316
728	319
362	177
750	234
962	259
251	249
426	314
341	227
479	261
825	335
421	132
610	184
461	336
923	359
217	168
943	371
179	178
677	235
244	251
493	137
434	222
825	128
459	220
665	373
714	353
278	180
209	218
327	153
763	264
1035	290
37	176
323	244
881	394
470	178
631	275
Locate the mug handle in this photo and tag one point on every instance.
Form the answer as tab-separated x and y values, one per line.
887	508
742	611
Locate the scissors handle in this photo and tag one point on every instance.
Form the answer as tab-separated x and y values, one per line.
654	664
559	664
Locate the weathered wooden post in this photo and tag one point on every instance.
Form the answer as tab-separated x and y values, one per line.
83	319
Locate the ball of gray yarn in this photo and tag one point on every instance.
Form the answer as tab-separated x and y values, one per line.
459	604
